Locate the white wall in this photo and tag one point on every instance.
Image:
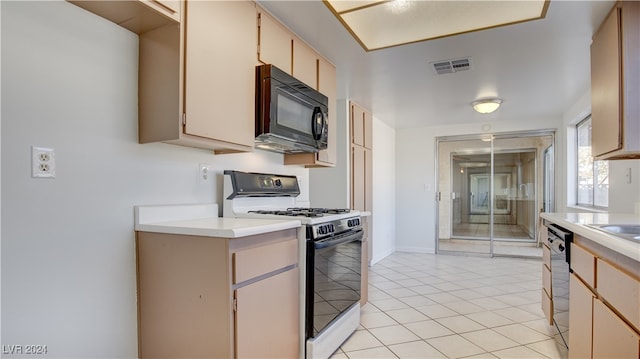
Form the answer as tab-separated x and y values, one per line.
384	183
69	81
415	177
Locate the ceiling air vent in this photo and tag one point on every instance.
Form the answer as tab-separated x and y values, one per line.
451	66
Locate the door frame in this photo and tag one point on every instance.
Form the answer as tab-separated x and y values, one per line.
492	137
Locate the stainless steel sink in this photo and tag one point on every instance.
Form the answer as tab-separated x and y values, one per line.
628	231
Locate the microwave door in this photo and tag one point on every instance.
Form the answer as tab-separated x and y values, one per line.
295	116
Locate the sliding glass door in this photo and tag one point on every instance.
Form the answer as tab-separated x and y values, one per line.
465	193
490	192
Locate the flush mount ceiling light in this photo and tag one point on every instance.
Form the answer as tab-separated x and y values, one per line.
486	105
380	24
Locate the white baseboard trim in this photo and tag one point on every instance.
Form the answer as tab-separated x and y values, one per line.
429	250
382	256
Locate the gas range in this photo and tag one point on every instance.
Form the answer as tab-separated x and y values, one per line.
270	196
330	254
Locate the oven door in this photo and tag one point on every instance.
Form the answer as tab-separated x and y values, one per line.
333	279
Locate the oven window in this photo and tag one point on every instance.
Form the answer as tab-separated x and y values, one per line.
336	282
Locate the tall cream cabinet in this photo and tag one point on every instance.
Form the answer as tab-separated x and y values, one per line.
196	82
360	121
615	84
206	297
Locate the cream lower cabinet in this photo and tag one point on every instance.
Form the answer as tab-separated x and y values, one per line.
580	318
206	297
604	301
612	337
197	79
265	326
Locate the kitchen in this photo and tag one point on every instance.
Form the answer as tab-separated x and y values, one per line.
69	82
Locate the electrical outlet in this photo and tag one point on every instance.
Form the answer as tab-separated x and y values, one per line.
43	162
205	172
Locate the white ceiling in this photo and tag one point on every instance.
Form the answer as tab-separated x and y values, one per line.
539	68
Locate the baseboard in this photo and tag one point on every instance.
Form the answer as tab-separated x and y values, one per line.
384	255
429	250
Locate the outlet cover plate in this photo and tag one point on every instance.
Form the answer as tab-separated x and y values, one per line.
43	162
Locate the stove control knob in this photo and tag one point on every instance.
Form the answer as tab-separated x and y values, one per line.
278	182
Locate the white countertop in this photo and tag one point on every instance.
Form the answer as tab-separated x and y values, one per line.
203	220
577	223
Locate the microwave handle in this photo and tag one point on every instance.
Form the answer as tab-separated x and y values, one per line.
318	115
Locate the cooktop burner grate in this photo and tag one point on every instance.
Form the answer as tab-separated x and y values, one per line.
306	212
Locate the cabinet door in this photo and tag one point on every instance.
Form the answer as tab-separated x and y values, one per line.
220	70
580	318
357	178
267	318
368	180
627	301
327	87
274	43
305	67
606	107
357	125
612	337
368	129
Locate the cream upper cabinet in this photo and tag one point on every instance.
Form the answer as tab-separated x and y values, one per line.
327	86
305	63
220	71
357	124
615	79
274	42
361	126
138	16
197	83
368	129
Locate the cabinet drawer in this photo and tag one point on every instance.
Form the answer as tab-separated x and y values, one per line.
621	291
612	338
546	255
547	306
546	279
254	262
583	264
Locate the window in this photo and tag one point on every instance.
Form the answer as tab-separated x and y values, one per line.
593	176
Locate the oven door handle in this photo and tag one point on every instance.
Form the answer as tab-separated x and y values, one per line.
356	236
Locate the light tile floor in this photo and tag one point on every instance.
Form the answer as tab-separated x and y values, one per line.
441	306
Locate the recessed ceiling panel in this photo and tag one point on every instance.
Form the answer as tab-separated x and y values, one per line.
398	22
348	5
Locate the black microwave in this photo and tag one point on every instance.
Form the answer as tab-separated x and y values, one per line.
291	117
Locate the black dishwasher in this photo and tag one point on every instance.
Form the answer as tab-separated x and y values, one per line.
559	240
